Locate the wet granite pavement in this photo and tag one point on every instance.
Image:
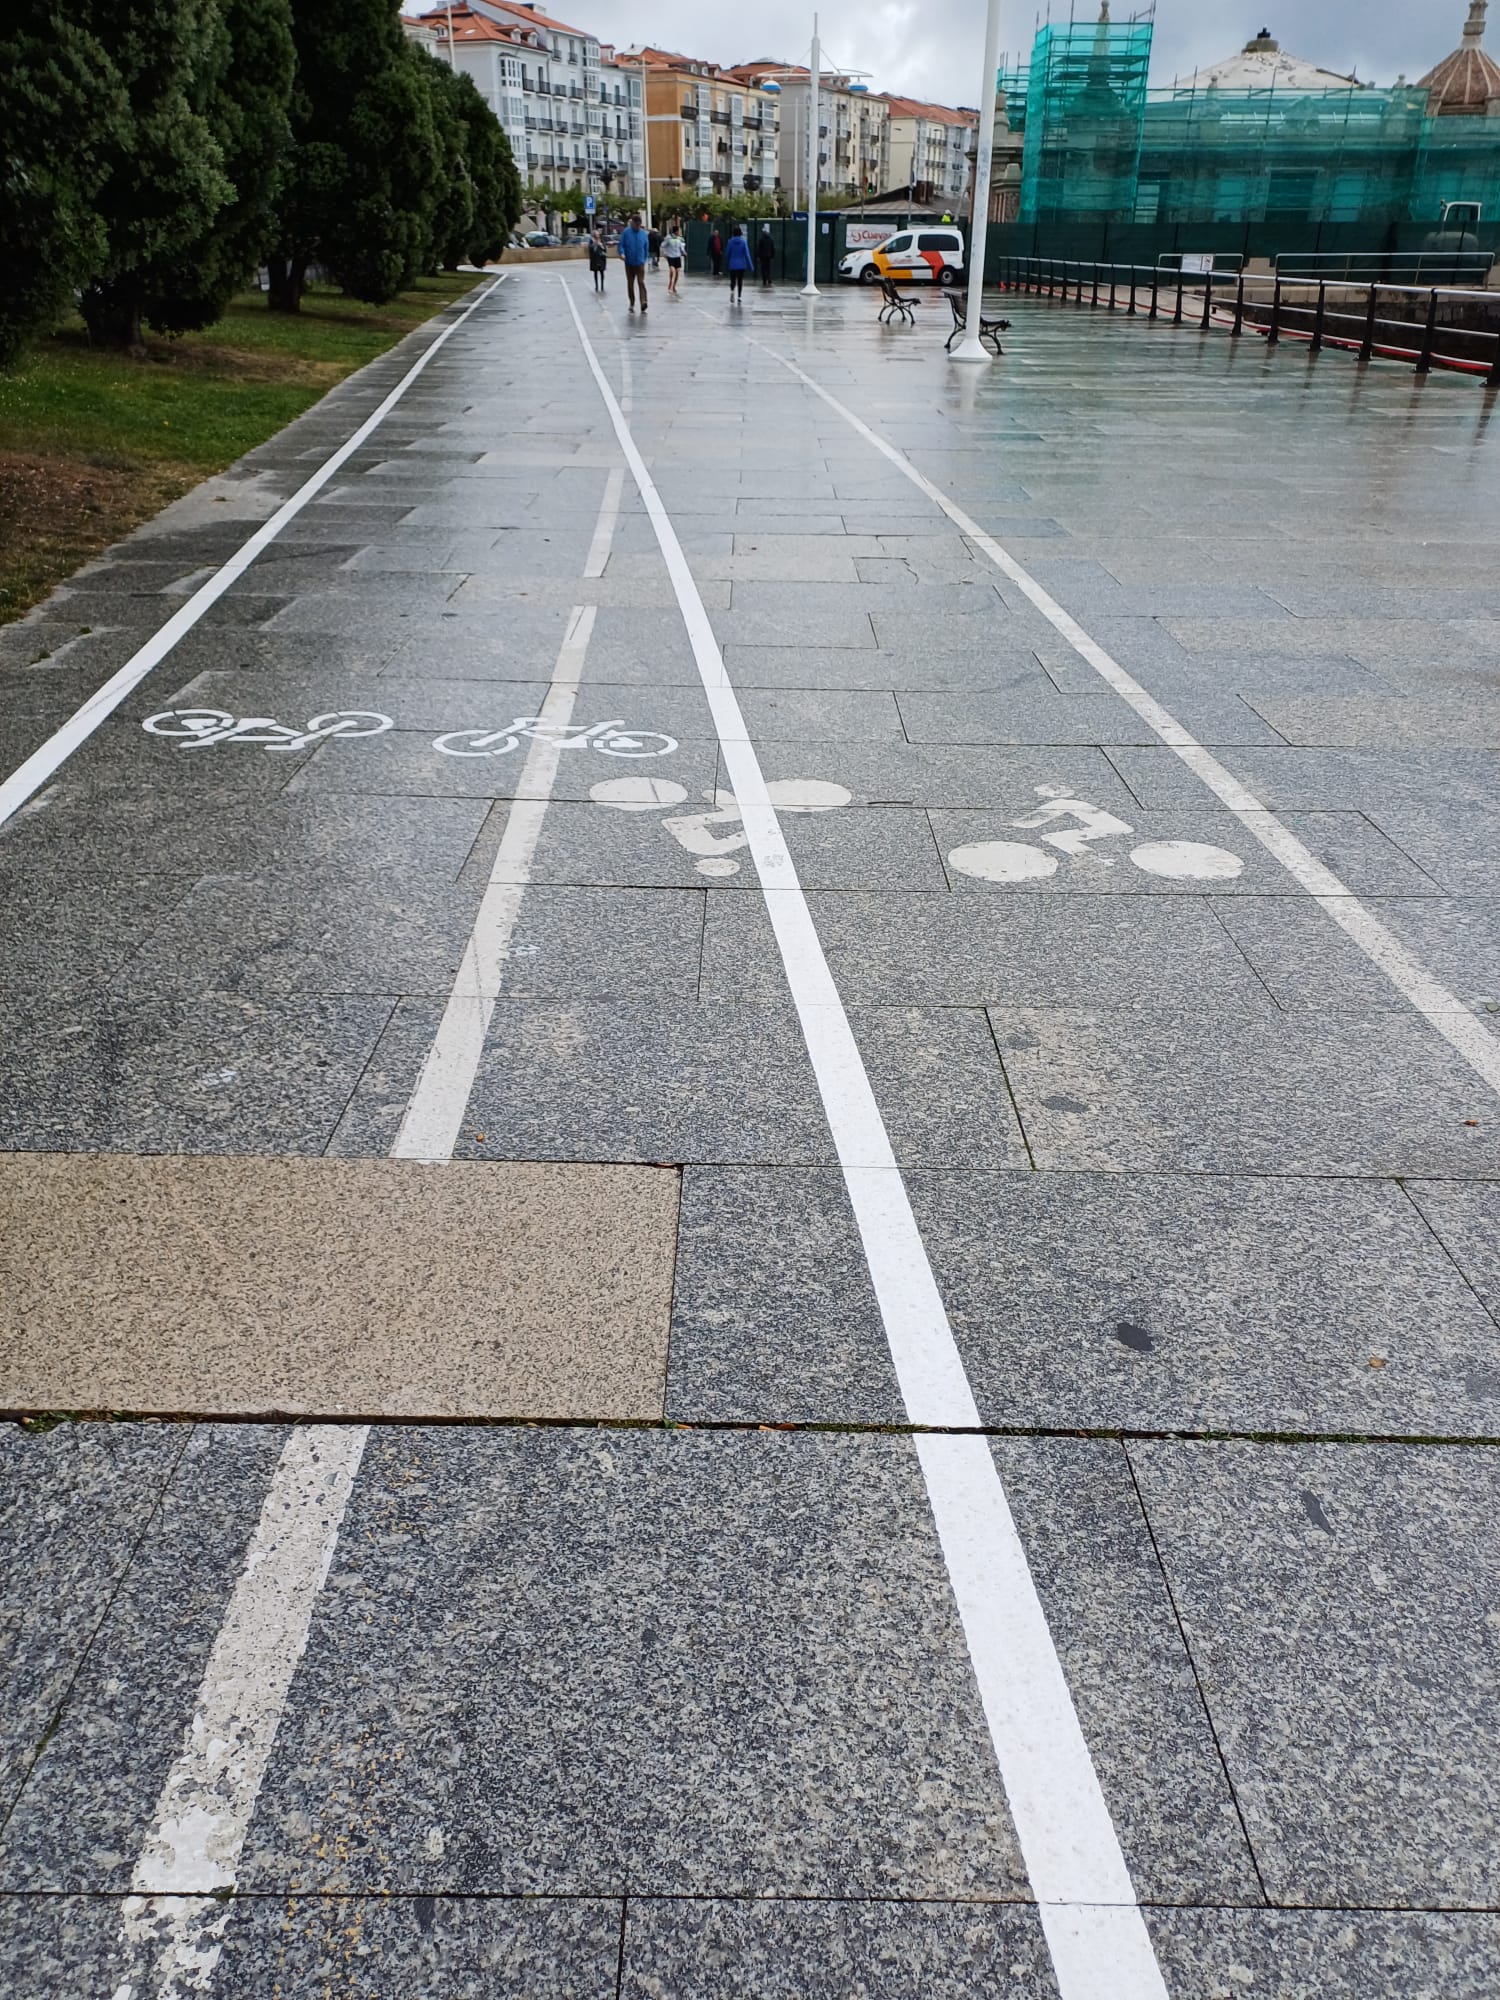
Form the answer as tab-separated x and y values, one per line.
669	1695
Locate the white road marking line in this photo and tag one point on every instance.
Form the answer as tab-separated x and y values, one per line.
203	1812
1094	1927
1442	1009
102	703
435	1113
604	532
173	1923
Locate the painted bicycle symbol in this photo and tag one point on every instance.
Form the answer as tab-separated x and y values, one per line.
1019	861
612	739
713	836
201	728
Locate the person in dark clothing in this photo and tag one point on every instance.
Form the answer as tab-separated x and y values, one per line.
653	237
598	259
739	261
716	253
765	253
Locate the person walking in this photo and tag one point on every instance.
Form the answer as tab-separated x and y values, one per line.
674	249
765	253
653	237
598	258
739	261
635	248
716	252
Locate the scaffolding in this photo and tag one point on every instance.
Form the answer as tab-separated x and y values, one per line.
1295	158
1085	100
1101	149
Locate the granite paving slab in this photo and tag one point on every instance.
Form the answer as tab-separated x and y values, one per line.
89	1799
334	1288
1163	1302
1345	1661
1217	1091
1352	1954
78	1498
706	1664
680	1949
724	1082
1466	1221
464	1948
839	848
329	933
221	1073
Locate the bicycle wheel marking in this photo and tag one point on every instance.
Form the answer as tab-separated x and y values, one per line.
1008	861
714	836
1003	861
202	728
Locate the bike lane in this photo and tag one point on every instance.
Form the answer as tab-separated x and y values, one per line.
725	1666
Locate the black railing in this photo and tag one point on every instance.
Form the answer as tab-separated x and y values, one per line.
1432	326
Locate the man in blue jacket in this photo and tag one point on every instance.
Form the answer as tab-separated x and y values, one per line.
635	248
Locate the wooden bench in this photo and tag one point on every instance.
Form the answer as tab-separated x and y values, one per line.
896	303
990	330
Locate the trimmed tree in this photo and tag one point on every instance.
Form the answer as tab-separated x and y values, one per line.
363	170
62	111
451	223
248	114
164	182
492	175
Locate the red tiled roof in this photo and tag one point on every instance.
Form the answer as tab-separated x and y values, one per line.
521	13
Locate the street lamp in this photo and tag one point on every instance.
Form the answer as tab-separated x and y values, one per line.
969	348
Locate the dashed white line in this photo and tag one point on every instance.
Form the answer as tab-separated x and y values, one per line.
604	532
40	765
1412	980
173	1923
435	1112
1095	1931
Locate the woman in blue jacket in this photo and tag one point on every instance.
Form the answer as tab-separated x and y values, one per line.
737	263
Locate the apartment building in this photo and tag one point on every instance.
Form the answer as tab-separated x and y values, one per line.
930	150
853	148
711	130
571	110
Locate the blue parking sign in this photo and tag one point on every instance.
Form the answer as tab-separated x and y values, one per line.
588	204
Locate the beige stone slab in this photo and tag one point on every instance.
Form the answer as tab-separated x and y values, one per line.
357	1288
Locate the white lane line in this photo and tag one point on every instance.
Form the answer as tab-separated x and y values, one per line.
435	1111
1095	1931
102	703
172	1921
1412	980
604	531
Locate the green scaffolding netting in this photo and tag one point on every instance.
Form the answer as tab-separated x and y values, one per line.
1098	145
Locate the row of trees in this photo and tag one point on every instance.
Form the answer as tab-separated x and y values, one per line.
154	153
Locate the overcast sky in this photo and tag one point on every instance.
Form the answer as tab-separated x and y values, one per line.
934	48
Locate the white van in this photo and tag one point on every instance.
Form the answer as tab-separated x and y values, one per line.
931	253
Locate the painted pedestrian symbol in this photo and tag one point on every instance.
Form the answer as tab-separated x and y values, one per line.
611	739
1009	861
201	728
713	837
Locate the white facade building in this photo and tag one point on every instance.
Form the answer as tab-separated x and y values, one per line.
573	115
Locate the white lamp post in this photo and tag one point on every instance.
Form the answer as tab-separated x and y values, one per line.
969	348
810	289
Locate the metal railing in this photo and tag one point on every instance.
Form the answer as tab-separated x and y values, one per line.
1397	267
1432	326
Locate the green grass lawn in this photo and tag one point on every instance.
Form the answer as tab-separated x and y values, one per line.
92	443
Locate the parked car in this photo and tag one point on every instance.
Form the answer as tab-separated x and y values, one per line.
541	239
933	256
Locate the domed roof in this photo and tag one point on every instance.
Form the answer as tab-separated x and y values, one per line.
1467	80
1262	64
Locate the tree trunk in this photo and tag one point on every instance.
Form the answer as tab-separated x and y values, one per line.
112	314
288	276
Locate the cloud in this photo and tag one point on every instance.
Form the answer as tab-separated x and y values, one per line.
935	48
